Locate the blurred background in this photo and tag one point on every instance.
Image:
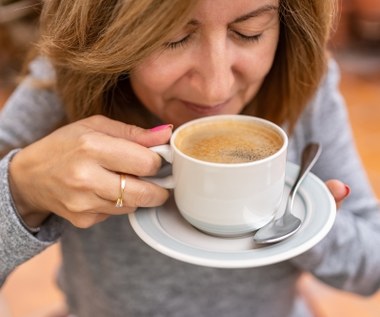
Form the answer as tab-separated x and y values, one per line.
31	291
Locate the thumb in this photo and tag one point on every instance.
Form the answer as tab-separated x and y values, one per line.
146	137
339	190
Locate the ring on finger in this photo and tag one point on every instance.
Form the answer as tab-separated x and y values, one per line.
119	201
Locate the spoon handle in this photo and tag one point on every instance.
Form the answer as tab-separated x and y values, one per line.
310	155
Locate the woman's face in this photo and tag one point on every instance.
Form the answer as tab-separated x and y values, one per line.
214	65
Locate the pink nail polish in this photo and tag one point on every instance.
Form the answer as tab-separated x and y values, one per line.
162	127
348	190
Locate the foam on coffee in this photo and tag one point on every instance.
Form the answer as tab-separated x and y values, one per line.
229	141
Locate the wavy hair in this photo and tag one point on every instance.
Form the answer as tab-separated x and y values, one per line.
300	62
94	44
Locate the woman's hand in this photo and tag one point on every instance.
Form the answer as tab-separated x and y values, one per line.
74	172
339	190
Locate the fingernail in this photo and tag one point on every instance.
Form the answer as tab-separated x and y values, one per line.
348	190
162	127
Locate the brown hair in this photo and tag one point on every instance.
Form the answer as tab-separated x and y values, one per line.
93	45
300	61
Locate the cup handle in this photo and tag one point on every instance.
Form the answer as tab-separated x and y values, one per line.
166	153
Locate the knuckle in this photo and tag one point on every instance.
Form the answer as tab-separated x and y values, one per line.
96	119
133	132
143	197
80	178
150	195
150	164
88	142
84	221
74	206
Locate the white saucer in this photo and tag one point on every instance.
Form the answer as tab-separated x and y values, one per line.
164	229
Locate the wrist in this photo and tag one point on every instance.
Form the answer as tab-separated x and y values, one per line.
29	216
29	224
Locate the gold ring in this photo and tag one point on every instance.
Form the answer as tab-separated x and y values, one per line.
119	202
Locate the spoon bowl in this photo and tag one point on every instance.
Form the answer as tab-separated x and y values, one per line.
285	226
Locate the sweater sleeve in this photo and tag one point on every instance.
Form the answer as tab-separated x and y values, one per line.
348	257
17	244
29	114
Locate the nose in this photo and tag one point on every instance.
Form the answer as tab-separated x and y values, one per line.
213	74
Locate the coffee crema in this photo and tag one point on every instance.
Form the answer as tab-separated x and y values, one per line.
229	141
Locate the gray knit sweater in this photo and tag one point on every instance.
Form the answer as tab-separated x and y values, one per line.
108	271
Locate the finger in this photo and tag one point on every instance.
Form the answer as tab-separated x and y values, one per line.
137	193
87	219
339	190
120	155
146	137
141	193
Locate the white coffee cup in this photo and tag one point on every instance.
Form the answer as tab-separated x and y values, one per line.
227	199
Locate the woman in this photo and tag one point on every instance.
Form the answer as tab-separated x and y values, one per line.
159	64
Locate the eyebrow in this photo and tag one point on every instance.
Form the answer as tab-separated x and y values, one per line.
255	13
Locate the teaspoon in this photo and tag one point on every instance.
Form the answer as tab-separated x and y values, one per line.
288	224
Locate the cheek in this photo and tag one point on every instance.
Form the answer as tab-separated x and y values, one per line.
269	51
257	64
146	88
145	82
157	76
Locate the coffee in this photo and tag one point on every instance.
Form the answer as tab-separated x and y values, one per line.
229	141
227	199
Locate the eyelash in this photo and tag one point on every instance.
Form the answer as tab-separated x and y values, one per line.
185	40
250	38
182	42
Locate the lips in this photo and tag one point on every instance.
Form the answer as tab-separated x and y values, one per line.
205	109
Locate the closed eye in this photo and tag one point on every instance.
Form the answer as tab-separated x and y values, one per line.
248	38
180	43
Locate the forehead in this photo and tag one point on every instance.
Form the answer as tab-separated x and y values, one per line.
228	11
